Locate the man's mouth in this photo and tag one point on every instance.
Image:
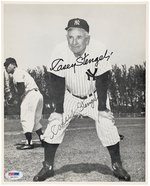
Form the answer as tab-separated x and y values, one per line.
75	47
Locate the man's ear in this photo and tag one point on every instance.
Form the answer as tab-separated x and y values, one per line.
67	36
88	40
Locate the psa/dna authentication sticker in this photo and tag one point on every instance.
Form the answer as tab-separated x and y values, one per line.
14	175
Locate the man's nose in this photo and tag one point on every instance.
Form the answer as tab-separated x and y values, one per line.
75	41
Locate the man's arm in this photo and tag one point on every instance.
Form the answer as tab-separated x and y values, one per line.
11	100
20	89
102	82
56	87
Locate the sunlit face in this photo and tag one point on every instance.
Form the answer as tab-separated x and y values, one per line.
77	40
11	68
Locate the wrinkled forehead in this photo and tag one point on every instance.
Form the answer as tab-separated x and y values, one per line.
76	31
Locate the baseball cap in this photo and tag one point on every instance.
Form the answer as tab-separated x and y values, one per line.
78	23
9	61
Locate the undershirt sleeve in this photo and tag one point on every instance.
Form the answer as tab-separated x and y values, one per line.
57	91
102	87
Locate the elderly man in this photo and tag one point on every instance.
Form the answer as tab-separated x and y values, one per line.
79	71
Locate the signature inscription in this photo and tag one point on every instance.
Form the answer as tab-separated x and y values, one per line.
80	107
56	128
56	66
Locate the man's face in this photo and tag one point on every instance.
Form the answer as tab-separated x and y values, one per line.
77	40
11	68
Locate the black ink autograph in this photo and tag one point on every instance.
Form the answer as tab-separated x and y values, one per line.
56	128
56	66
80	107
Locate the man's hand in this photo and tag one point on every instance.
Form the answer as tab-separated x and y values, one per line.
11	102
106	114
56	116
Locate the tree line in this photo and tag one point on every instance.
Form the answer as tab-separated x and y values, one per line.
126	89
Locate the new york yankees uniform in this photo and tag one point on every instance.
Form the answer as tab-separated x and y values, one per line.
32	101
79	73
80	92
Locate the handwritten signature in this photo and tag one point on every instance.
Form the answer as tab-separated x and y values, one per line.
80	107
56	128
56	66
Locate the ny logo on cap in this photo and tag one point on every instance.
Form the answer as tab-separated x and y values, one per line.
77	22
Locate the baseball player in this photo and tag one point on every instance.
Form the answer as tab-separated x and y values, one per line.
31	102
7	92
80	71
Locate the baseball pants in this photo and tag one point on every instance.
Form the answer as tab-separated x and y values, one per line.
31	111
73	106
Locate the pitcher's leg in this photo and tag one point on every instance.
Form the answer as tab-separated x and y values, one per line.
28	108
118	170
27	122
53	136
108	134
38	116
56	127
49	155
38	112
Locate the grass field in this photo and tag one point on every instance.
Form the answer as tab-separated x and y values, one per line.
81	157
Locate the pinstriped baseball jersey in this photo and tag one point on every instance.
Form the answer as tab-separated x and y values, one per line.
79	72
80	75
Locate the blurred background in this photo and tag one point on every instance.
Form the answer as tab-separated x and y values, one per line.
31	31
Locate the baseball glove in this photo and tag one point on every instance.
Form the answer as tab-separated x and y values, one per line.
11	101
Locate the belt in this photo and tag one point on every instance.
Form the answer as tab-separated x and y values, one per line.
23	96
35	89
82	97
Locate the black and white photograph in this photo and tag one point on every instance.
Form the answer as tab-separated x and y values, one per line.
74	91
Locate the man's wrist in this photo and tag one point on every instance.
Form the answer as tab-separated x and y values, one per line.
59	111
105	110
59	108
102	106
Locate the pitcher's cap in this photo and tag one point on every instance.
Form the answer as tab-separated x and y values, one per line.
78	23
9	61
